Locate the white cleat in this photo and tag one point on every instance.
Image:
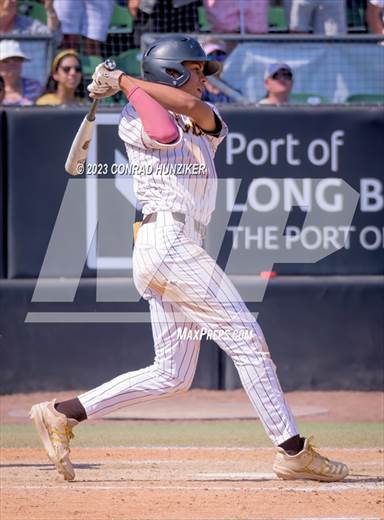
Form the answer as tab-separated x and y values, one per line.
308	465
55	432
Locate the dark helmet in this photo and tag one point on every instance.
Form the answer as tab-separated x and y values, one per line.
168	54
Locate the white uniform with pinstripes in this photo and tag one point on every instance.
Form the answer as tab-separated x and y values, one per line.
184	286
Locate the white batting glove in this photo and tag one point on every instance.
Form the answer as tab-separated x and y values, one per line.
103	76
97	91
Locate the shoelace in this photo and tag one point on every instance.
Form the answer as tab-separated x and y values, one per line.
312	450
62	436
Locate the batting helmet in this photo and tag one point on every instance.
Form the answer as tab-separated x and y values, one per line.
168	54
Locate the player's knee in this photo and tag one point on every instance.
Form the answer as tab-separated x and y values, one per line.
181	385
185	385
176	384
172	382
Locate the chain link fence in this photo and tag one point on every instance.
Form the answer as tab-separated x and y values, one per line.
326	69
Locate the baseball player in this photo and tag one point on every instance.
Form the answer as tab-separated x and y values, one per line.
173	136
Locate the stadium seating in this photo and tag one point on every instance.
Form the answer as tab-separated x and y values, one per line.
129	61
203	22
33	9
121	21
308	99
276	19
89	63
366	98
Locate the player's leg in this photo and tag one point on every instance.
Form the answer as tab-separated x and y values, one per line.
198	288
172	371
167	261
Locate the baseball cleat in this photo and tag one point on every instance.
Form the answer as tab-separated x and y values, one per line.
308	465
55	432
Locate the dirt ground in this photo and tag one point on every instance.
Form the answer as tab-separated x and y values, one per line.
343	407
187	483
183	484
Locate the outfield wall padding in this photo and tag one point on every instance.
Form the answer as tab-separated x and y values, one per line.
323	319
335	144
324	333
66	356
3	215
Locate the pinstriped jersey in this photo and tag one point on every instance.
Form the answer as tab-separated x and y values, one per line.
178	177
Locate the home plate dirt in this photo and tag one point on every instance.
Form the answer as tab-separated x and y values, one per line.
184	484
191	483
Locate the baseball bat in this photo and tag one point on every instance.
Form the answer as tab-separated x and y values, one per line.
77	155
229	91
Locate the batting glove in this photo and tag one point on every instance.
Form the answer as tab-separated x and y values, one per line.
97	91
103	76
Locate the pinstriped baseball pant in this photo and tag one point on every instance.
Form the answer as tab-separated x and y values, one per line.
186	290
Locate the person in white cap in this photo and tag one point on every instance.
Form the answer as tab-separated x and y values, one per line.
278	81
18	90
215	50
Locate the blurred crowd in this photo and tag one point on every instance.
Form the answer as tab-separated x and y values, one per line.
85	31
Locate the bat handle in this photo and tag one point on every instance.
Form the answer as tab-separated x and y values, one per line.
109	64
91	116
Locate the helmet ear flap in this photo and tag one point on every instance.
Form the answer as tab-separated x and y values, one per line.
177	74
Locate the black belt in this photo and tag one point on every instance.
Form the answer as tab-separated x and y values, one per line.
179	217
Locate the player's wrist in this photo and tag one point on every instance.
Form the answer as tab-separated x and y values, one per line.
121	77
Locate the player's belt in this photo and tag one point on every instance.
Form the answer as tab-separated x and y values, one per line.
179	217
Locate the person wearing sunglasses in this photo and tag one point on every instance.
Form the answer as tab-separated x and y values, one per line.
64	85
215	50
19	91
278	81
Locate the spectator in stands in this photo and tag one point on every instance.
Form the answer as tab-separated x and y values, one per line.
216	50
163	16
87	18
14	24
322	16
18	90
247	16
375	16
64	85
278	81
2	89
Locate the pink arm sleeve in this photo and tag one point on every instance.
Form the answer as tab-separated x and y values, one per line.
156	120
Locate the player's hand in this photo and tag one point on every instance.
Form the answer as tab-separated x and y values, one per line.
97	91
104	77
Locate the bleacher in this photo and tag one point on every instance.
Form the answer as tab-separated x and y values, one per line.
360	81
